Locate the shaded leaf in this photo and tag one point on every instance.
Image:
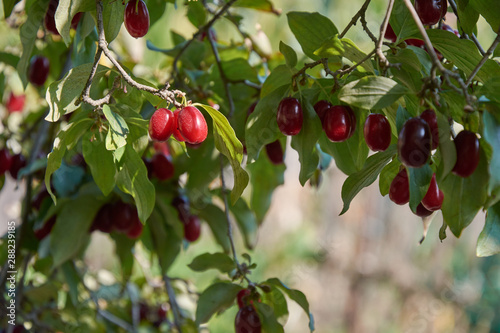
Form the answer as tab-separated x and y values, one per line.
289	54
101	163
206	261
215	298
419	179
216	220
488	242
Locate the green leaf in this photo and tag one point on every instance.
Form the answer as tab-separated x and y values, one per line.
101	163
28	33
295	295
263	5
269	321
132	178
70	233
62	95
311	30
489	9
446	147
419	179
8	5
215	298
196	13
65	12
165	240
361	179
304	142
276	300
387	175
66	139
124	247
246	221
228	144
9	59
345	48
372	92
463	53
289	54
73	279
491	134
491	87
470	192
402	22
112	18
118	129
206	261
468	17
216	220
488	242
279	77
238	70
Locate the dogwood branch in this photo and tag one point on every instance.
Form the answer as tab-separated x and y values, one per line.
486	56
173	303
383	27
360	15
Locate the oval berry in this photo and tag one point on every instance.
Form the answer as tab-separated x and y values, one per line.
415	42
414	143
399	191
467	146
103	220
161	124
430	118
422	211
433	199
338	123
289	116
321	107
390	35
275	152
247	320
241	297
49	20
192	229
15	103
177	134
124	216
192	125
430	11
136	18
38	71
162	166
135	230
5	160
18	162
377	132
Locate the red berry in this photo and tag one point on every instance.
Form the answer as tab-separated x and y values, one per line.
321	107
192	229
15	103
161	124
162	166
161	147
251	109
430	117
390	35
450	29
136	230
45	230
275	152
50	22
18	162
431	11
192	125
177	134
338	123
124	216
5	160
414	143
467	146
289	116
399	191
143	311
247	320
136	18
103	221
162	311
377	132
76	19
415	42
434	197
242	296
38	71
422	211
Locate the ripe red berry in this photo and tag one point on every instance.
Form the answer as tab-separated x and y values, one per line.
49	20
321	107
431	11
247	320
162	166
467	146
38	71
136	18
399	191
192	229
124	216
415	42
45	230
390	35
103	221
433	199
414	143
275	152
450	29
377	132
422	211
15	103
162	311
177	134
242	296
192	125
338	123
76	19
18	162
161	124
136	230
289	116
430	117
5	160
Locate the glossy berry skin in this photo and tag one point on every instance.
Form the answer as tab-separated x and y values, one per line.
162	166
15	103
399	191
5	160
161	124
390	35
467	146
177	134
192	125
422	211
431	11
124	216
38	71
377	132
433	199
289	116
275	152
136	18
430	118
103	221
247	321
192	229
414	143
18	162
321	107
241	297
45	230
338	123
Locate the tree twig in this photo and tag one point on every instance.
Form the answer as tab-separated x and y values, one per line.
473	37
173	303
361	16
484	59
383	27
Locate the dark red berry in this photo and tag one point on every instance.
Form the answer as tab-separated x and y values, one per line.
467	146
181	203
76	19
433	199
338	123
38	71
415	42
289	116
251	109
275	152
390	35
177	134
192	125
450	29
399	191
103	221
162	311
414	143
124	216
18	162
431	11
49	20
247	320
161	124
136	230
192	229
430	117
242	296
5	160
321	107
143	311
422	211
162	166
15	103
377	132
45	230
136	18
